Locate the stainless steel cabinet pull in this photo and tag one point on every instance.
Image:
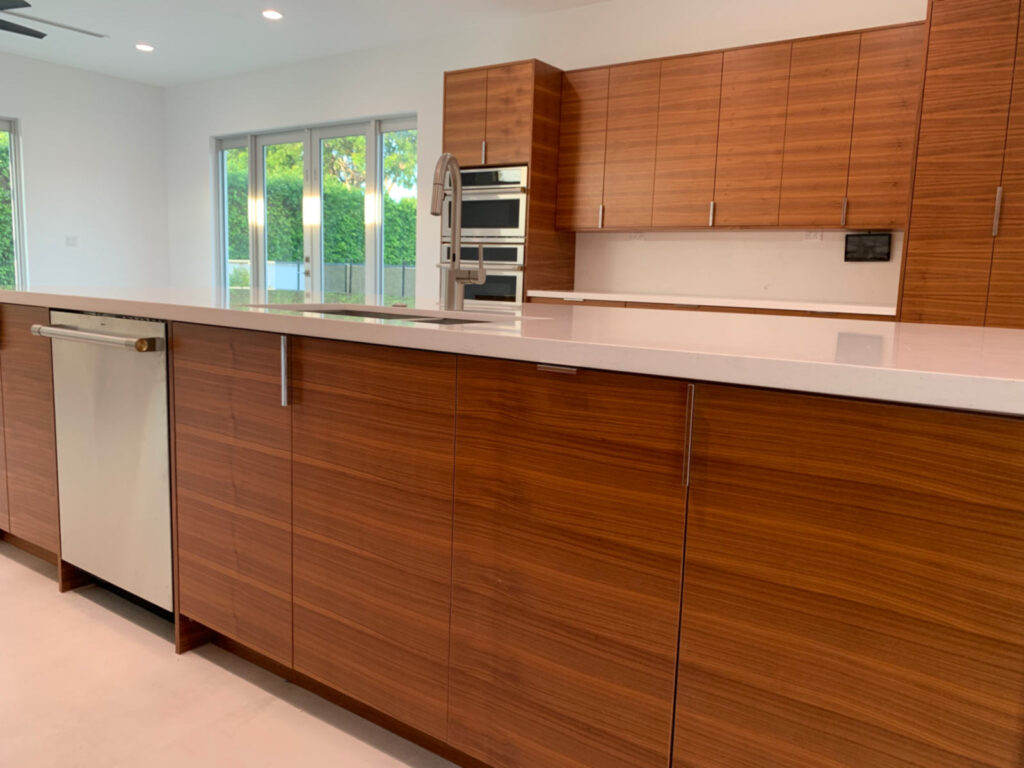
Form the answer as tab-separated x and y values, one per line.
483	151
711	215
998	212
690	392
846	207
90	337
557	369
284	371
600	217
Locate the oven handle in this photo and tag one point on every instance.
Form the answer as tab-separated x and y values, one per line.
493	267
495	192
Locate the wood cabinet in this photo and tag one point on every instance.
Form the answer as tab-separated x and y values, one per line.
687	148
1006	283
581	155
373	448
966	101
633	93
854	585
488	114
819	125
569	513
26	372
234	486
885	127
751	135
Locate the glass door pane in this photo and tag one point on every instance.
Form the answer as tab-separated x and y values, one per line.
398	217
343	219
283	244
7	260
235	188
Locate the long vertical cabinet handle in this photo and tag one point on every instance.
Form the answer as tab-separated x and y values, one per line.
998	212
690	394
846	208
600	216
483	152
711	214
284	371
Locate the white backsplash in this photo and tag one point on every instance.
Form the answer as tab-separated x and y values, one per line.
744	264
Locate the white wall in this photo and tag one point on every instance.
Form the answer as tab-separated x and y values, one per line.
93	168
408	79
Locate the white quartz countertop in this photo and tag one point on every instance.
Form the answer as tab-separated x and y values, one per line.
705	301
979	369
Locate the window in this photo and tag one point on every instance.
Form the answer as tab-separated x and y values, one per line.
12	261
322	214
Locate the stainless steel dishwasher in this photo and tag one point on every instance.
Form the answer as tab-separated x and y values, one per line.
113	455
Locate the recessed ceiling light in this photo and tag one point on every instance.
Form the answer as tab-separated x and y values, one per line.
273	15
144	47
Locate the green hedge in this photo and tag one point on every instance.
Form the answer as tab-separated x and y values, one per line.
6	214
343	209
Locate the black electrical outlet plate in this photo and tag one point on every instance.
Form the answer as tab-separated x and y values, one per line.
869	247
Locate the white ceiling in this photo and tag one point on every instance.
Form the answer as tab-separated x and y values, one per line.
200	39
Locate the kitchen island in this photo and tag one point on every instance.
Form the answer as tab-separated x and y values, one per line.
585	537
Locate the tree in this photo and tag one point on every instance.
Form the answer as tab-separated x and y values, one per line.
6	214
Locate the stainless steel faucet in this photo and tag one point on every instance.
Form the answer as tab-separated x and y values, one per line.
456	278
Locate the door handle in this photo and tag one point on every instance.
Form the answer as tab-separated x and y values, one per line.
998	212
284	371
90	337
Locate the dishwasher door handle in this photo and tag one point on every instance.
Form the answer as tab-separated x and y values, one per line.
90	337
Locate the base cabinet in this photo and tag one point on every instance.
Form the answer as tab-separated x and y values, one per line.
234	485
854	586
568	543
373	451
26	373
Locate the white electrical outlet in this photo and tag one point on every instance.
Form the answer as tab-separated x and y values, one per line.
818	235
70	241
637	236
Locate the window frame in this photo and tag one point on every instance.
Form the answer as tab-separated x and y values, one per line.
312	227
10	125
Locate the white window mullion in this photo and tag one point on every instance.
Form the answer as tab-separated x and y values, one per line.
312	217
257	224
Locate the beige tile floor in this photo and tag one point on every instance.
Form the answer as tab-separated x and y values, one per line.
89	680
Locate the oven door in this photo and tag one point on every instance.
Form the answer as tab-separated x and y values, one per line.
503	288
489	216
497	255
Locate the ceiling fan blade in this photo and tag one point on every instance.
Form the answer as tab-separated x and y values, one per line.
6	26
10	5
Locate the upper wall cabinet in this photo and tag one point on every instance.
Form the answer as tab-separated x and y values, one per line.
684	178
816	132
884	127
488	114
751	134
819	122
966	104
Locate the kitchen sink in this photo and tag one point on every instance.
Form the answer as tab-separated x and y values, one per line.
383	313
376	314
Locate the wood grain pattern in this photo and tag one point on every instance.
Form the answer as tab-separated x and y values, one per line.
854	586
689	104
509	113
550	254
819	125
964	113
566	572
373	439
752	131
234	484
632	139
465	114
26	369
1005	306
885	127
582	145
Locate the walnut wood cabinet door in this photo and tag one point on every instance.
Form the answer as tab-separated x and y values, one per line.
688	108
373	441
1005	306
854	586
509	132
633	92
233	480
569	514
5	517
26	368
819	124
465	115
885	127
582	144
971	51
751	135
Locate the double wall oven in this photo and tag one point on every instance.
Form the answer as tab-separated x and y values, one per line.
494	223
